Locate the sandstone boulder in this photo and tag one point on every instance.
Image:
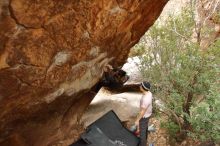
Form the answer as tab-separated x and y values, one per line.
52	55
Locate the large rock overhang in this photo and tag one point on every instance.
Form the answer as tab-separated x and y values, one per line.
51	55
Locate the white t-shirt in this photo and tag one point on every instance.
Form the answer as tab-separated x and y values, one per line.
146	102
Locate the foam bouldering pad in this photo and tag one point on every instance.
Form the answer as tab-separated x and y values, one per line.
107	131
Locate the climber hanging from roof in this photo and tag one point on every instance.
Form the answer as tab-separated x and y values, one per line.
113	78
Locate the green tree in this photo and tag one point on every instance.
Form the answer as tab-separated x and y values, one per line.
185	78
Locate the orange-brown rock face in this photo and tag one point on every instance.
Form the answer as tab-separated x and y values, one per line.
52	53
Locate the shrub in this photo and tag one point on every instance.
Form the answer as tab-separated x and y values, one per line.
185	78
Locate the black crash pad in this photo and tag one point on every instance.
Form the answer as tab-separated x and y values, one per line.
107	131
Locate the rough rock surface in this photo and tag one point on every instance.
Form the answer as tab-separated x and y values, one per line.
51	55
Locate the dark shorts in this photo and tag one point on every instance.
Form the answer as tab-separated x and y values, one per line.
143	123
